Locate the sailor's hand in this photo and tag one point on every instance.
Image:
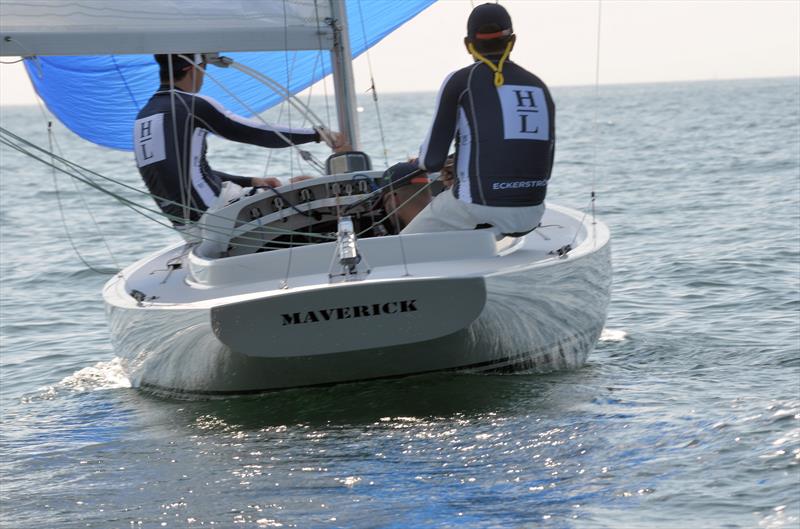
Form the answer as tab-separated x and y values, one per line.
340	143
334	140
447	175
266	182
300	178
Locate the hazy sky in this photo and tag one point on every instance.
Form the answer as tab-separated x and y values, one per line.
641	41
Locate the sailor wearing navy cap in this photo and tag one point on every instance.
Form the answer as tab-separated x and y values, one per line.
503	121
170	143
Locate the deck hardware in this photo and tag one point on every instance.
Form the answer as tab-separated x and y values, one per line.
347	251
563	251
306	195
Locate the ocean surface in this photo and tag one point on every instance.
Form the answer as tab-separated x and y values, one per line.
686	415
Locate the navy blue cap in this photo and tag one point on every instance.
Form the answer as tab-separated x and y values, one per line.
398	173
489	21
179	64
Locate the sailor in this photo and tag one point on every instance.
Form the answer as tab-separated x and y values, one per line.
170	143
406	193
503	120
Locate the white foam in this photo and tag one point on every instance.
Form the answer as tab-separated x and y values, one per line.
613	335
102	375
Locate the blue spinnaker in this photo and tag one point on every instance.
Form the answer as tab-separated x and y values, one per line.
98	97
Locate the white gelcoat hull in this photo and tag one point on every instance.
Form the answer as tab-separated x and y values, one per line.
538	318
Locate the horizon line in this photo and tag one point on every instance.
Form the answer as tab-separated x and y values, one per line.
579	85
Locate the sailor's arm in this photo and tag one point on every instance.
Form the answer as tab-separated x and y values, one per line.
247	181
225	123
433	152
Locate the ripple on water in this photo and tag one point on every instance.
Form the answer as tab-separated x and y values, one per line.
687	411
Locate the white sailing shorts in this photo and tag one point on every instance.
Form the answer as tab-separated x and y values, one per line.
447	213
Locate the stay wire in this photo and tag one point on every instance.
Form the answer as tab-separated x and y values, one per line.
595	135
188	139
285	283
283	105
595	132
383	140
127	202
52	139
86	263
372	87
179	158
154	215
322	60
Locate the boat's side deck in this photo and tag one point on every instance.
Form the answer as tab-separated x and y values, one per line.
176	276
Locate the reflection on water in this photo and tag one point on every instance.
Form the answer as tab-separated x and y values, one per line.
688	409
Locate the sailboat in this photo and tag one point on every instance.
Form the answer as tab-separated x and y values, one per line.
298	287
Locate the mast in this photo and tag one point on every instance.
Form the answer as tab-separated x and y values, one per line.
343	74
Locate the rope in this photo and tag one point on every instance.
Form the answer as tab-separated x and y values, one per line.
498	70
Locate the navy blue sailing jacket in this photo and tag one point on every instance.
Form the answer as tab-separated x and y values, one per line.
163	156
505	136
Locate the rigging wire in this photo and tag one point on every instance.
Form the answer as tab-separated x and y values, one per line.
188	139
285	283
372	86
322	60
283	105
138	208
63	218
595	133
383	140
156	215
52	139
181	174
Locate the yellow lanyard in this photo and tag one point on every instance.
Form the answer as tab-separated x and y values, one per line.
498	70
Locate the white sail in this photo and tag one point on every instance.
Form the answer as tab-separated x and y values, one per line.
92	27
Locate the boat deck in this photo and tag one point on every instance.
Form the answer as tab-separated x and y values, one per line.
178	276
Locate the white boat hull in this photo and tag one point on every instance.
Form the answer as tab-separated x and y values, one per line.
541	316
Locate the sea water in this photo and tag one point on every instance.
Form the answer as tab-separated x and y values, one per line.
686	415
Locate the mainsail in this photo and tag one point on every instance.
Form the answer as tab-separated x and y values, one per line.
97	95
